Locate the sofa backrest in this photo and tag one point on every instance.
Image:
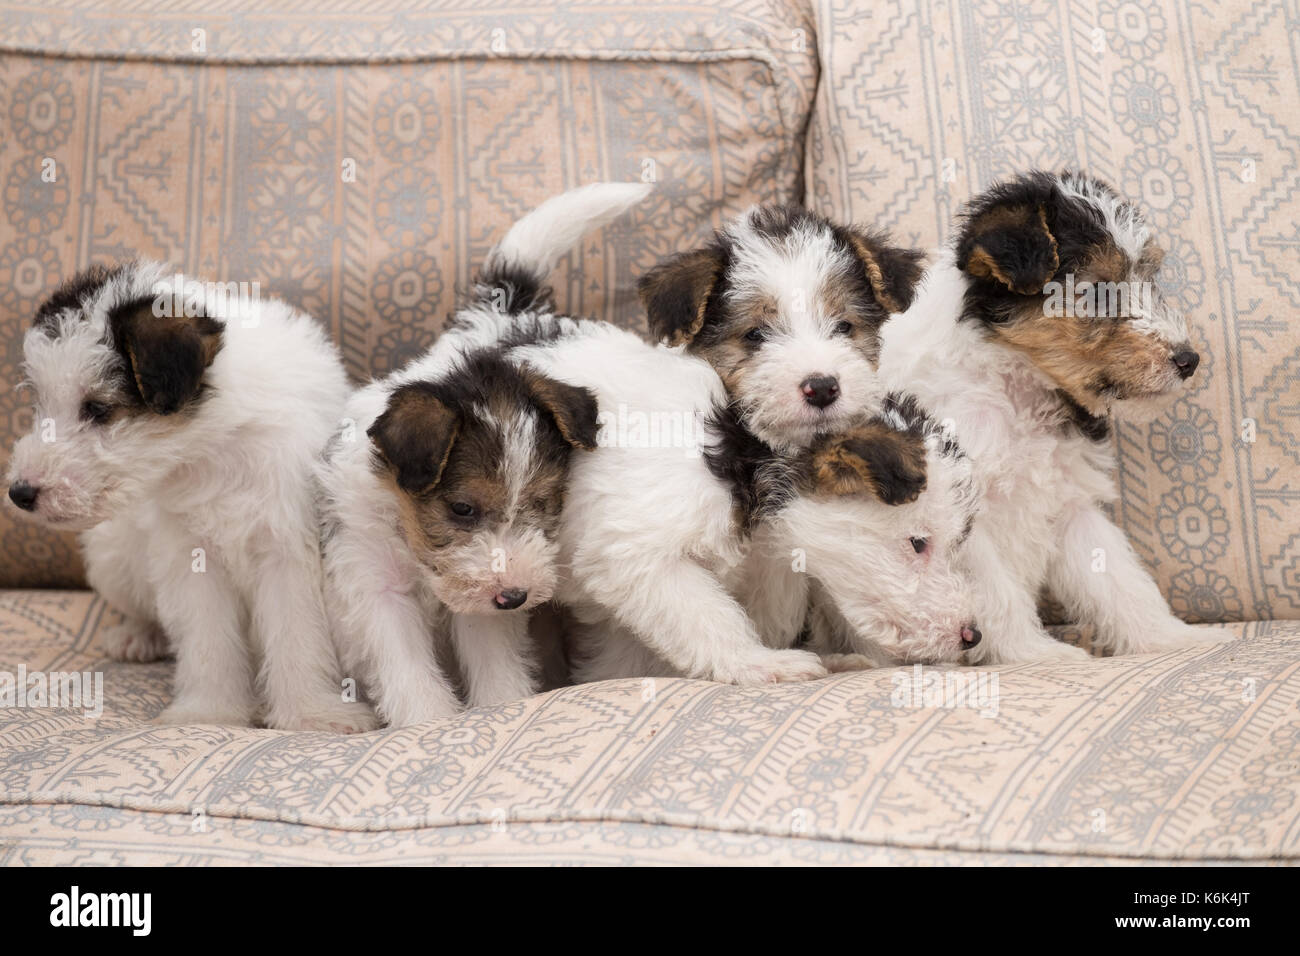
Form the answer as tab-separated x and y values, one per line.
359	166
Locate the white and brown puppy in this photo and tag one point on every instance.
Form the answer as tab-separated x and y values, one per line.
1039	324
178	433
787	307
442	495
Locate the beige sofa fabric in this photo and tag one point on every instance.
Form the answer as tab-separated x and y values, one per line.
1189	108
1187	756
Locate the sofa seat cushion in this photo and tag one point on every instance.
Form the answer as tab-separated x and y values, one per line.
1184	756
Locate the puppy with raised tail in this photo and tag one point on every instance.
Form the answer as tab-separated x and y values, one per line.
1030	384
442	496
178	433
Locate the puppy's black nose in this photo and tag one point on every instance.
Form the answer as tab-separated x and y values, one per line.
23	495
510	598
970	636
1186	360
820	390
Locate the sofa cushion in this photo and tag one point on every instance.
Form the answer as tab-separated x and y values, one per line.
361	169
1190	109
1184	756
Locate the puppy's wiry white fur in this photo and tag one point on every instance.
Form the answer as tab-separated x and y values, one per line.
200	526
1040	483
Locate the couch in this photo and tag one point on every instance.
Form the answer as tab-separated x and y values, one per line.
357	159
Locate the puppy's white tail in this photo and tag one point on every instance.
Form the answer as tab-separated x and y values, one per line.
519	264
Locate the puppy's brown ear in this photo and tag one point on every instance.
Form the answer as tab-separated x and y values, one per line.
1011	245
166	355
873	459
676	293
571	407
892	271
414	436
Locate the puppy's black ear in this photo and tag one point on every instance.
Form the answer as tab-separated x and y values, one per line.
167	355
892	271
676	293
572	407
414	436
873	459
1010	244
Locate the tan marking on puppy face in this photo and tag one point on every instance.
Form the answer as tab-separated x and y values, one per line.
1090	358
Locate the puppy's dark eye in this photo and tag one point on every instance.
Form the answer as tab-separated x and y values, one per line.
756	335
463	509
919	544
843	328
97	413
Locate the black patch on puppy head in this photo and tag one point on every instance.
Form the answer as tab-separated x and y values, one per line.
759	479
166	356
425	421
73	292
1019	235
678	293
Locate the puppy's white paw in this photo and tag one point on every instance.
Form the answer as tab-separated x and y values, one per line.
182	712
843	663
1048	649
1173	637
328	716
134	641
773	667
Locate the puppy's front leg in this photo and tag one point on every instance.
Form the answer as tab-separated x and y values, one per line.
1100	580
301	676
494	656
1006	610
378	617
682	612
118	573
200	609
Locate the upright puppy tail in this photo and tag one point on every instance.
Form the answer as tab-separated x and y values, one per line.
513	276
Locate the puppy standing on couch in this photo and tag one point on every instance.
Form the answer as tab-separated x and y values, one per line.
178	435
441	504
1031	382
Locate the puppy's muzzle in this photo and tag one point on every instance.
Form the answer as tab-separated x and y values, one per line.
970	637
24	495
820	390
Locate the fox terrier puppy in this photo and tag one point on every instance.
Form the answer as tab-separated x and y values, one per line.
1008	344
442	497
178	434
787	307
